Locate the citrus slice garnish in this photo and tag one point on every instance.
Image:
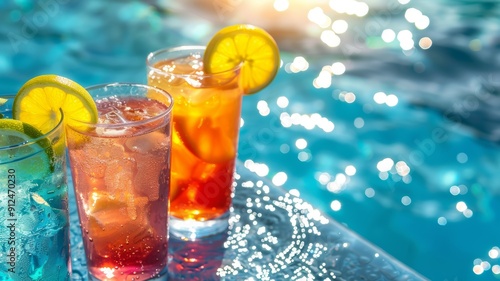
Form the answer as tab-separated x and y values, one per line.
208	138
248	45
41	99
15	135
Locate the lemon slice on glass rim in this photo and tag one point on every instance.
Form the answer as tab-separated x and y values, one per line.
248	45
40	101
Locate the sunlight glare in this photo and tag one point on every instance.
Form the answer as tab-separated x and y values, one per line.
340	26
281	5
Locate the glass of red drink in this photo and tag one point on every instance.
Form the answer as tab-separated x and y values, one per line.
121	176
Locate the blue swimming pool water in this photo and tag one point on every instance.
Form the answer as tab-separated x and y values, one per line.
402	146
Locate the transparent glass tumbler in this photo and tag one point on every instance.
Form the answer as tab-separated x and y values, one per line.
121	175
34	220
206	123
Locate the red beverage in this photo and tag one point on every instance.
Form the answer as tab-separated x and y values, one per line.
121	172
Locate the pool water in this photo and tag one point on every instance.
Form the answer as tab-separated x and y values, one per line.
389	127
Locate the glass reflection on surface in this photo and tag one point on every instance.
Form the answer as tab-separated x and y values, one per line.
198	259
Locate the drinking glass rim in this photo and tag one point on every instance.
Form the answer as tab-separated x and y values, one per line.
185	48
32	140
161	115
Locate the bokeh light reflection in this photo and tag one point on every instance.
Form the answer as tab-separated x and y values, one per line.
494	253
496	269
280	179
336	205
369	192
282	102
340	26
330	38
318	16
388	35
307	121
425	43
281	5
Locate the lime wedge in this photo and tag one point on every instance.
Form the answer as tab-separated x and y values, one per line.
27	161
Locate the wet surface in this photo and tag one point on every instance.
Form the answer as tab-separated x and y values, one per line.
390	127
272	235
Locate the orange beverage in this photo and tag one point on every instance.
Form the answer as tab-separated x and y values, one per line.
120	168
206	122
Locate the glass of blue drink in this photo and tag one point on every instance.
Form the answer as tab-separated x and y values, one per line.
34	225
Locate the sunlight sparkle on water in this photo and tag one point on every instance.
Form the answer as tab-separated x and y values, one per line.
323	178
422	22
461	206
359	122
307	121
442	221
385	165
338	68
369	192
494	253
282	102
402	168
350	170
301	143
425	43
388	35
462	158
336	205
468	213
350	7
318	16
280	178
405	38
478	269
284	148
263	108
260	169
304	156
379	97
348	97
415	16
406	200
340	26
337	185
390	100
330	38
412	15
454	190
324	80
495	269
299	64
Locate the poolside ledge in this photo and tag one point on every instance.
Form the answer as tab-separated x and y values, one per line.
272	235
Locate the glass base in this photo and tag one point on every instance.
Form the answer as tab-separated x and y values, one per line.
192	229
163	276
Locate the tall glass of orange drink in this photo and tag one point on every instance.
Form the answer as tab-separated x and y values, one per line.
121	169
206	122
